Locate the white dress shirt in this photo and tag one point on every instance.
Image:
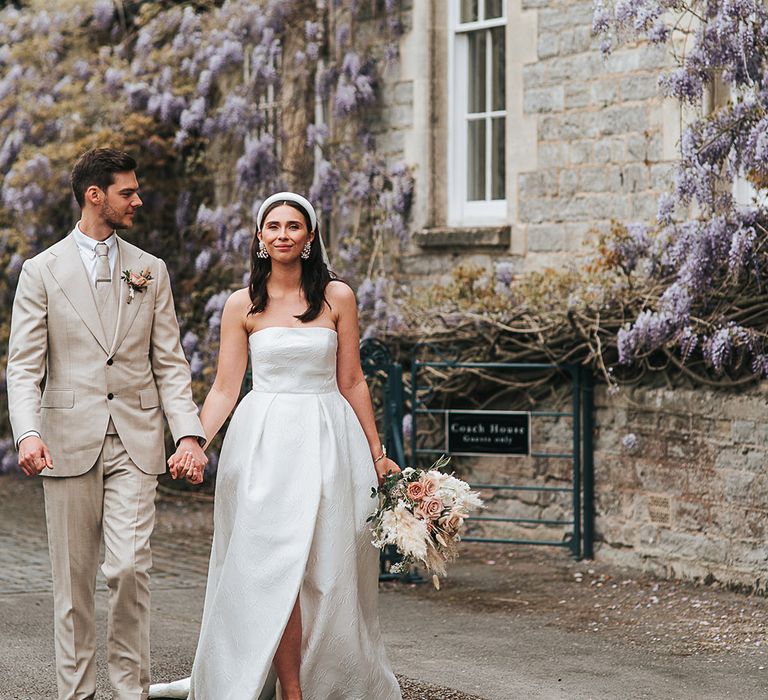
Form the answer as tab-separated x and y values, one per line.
87	248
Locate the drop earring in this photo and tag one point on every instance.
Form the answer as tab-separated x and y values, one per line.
262	253
306	250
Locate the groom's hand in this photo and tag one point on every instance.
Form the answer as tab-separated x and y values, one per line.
34	456
189	461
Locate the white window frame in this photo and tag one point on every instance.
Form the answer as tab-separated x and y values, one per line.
462	211
746	196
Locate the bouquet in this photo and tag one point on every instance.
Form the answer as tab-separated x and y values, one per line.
422	513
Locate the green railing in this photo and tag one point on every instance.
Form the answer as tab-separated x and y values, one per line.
385	378
581	487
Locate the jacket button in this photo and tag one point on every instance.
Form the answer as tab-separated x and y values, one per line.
110	396
110	361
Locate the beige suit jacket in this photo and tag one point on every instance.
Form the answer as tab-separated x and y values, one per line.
65	381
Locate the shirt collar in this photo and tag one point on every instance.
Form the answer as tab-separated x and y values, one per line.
88	244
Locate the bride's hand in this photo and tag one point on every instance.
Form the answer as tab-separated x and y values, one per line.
184	465
385	466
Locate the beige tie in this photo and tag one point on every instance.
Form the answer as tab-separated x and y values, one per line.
103	273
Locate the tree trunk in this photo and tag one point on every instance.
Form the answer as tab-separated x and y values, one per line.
297	99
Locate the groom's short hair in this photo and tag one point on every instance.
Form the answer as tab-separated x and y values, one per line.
97	167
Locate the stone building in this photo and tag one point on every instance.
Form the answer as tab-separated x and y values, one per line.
526	143
524	140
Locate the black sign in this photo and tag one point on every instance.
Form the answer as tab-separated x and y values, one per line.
488	432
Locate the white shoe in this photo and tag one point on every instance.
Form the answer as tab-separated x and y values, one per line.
177	689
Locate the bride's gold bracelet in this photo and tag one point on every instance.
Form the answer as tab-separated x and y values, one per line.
381	456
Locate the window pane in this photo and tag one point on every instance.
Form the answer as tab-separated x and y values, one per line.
469	10
497	69
497	159
476	72
493	8
476	159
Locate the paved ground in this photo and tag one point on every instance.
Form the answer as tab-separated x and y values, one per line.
508	624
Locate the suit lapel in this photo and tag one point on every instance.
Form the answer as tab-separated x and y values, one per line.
129	258
69	272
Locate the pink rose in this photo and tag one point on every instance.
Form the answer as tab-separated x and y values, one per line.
415	490
138	280
430	486
432	507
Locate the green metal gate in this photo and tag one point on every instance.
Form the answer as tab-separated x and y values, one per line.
385	378
581	488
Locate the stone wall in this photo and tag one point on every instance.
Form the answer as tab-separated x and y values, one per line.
691	499
589	139
688	500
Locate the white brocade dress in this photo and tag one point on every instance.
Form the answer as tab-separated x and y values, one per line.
293	493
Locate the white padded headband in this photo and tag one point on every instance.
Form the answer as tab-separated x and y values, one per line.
286	197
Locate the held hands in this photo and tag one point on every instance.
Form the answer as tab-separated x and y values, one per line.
34	456
385	466
188	462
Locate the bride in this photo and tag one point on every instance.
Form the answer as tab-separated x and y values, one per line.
291	607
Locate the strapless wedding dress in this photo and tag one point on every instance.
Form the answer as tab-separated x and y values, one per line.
293	492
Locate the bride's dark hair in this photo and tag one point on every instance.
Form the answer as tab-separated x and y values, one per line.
315	274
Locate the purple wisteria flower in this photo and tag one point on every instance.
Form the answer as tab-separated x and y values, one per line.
103	14
311	30
196	366
8	460
342	35
214	308
366	294
317	134
22	192
633	247
666	209
10	149
629	442
228	53
215	220
203	261
258	162
204	82
407	426
719	348
13	268
166	106
189	343
193	117
182	209
113	80
759	365
9	82
505	272
325	185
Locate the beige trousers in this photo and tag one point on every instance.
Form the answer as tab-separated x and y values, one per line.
116	500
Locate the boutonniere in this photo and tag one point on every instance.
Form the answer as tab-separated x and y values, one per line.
137	281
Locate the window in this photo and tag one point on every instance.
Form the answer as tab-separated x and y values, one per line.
477	122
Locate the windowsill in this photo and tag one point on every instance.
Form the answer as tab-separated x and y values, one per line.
464	237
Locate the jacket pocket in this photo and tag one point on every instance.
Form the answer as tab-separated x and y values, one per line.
58	398
149	398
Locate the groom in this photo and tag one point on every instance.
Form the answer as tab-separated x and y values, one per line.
107	355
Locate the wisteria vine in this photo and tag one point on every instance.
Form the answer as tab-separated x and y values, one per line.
705	257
